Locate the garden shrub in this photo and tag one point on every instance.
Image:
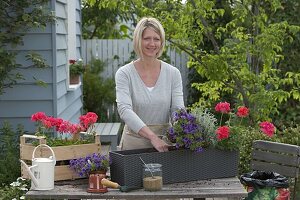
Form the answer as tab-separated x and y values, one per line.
99	92
249	134
9	153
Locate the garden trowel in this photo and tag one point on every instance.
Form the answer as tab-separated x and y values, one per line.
115	185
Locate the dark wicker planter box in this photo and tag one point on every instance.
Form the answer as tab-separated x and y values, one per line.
177	166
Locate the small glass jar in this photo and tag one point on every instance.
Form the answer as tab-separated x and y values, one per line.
152	182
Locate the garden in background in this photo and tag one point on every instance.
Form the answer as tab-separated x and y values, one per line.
245	53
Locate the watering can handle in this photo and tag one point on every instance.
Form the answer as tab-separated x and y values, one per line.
53	155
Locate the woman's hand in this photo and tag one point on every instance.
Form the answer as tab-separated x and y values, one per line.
157	143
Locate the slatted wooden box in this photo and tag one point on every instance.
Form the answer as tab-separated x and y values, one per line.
62	153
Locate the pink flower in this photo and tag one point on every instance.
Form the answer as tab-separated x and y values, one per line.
88	119
39	116
268	128
222	132
223	107
46	123
62	126
242	111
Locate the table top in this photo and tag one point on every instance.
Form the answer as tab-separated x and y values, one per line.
214	188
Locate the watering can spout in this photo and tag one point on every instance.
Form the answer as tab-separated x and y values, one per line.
34	180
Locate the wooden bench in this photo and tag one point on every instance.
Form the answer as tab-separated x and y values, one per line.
109	133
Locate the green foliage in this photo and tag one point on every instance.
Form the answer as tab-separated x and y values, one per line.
248	135
77	67
16	19
289	135
9	153
98	93
64	141
16	190
208	123
103	22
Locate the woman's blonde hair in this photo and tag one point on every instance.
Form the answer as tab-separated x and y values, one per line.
144	23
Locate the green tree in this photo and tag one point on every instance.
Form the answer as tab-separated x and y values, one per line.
103	23
234	46
16	18
245	54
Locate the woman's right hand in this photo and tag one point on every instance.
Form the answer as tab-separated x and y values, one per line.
157	143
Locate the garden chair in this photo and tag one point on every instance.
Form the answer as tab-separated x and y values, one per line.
277	157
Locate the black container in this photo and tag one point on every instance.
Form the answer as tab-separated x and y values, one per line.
177	166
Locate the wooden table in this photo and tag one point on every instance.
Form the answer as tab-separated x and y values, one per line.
230	188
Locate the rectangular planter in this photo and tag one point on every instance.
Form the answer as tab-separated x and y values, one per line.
62	154
177	165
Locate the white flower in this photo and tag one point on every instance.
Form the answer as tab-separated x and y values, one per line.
15	184
23	188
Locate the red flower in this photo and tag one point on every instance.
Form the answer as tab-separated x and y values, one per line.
242	111
39	116
72	61
88	119
268	128
222	132
223	107
62	126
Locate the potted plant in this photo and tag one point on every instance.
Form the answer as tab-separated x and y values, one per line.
73	141
93	166
76	69
202	148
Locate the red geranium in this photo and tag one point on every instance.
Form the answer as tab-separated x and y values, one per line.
268	128
72	61
223	107
47	122
242	111
223	132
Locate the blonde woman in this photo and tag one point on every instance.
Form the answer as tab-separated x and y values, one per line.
148	90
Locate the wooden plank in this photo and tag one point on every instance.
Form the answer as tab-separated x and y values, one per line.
215	188
61	153
99	128
115	129
285	159
107	129
276	147
273	167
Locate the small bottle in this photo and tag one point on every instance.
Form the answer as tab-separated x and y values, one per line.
152	182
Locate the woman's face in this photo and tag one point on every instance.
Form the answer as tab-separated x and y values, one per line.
151	43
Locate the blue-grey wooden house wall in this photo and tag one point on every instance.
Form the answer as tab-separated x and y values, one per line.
17	104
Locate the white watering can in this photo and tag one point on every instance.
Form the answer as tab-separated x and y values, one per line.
42	171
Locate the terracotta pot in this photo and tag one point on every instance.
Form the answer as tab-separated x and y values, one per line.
74	79
95	182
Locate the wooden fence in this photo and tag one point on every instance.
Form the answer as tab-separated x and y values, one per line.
116	53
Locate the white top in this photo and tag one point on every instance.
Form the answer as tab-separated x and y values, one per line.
150	88
137	106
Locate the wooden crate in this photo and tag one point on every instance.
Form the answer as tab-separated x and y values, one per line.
62	154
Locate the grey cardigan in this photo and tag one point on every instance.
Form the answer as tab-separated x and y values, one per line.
137	106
